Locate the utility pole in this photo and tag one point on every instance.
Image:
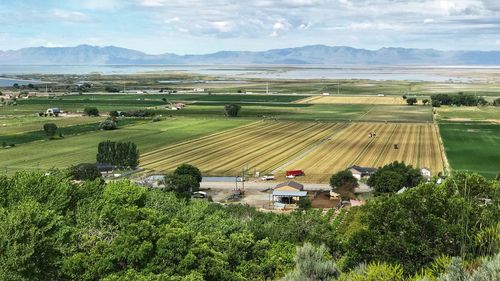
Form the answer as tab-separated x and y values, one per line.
338	89
267	88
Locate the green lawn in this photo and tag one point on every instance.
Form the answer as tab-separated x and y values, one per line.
148	136
321	112
65	130
473	113
472	147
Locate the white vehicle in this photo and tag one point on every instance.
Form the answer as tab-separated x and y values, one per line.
200	194
268	178
290	177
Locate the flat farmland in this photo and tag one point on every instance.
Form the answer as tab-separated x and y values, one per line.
262	147
353	100
472	146
74	149
319	149
418	145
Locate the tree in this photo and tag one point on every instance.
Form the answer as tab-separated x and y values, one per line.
405	97
232	110
108	125
496	102
425	101
50	129
388	182
343	178
113	114
312	265
425	222
436	103
182	185
304	203
91	111
411	101
32	240
391	177
84	171
186	169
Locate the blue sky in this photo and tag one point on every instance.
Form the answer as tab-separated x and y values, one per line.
203	26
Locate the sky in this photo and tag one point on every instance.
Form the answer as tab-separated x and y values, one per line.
205	26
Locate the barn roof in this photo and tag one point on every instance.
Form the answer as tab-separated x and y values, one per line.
288	193
363	170
293	184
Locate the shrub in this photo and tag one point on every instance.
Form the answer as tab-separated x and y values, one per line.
157	118
411	101
91	111
232	110
84	171
50	129
108	125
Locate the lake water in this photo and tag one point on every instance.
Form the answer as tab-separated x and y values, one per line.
414	73
4	82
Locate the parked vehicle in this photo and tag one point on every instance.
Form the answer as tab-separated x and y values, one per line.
268	177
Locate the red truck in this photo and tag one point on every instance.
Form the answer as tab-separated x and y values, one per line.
294	173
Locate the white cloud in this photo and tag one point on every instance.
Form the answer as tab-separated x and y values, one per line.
279	27
172	20
222	26
70	16
152	3
427	21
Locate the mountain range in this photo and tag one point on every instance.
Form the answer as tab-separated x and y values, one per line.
313	54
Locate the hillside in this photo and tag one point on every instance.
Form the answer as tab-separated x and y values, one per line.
314	54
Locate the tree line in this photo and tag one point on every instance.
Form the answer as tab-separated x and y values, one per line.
120	154
54	228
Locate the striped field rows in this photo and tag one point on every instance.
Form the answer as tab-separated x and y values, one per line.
319	149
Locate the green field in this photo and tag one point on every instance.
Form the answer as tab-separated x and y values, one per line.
148	136
471	113
472	147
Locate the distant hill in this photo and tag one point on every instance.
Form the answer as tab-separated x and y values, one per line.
314	54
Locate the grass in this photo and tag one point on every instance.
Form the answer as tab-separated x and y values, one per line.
472	147
471	113
72	150
29	136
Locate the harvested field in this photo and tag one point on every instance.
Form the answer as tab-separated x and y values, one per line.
319	149
261	147
418	145
353	100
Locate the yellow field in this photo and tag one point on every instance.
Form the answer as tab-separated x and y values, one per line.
352	100
319	149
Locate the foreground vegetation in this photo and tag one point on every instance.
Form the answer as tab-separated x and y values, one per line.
57	229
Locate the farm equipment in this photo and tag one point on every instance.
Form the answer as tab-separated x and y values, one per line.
294	173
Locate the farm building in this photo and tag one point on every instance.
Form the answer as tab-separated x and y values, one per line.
426	173
53	111
288	192
360	172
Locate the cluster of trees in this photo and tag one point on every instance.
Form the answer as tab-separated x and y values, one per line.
394	176
111	89
55	229
120	154
232	110
183	181
413	100
133	113
459	100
